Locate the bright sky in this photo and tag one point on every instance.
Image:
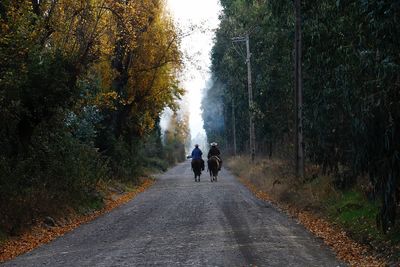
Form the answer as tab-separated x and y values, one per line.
202	14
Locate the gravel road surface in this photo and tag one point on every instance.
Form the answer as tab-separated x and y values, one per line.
178	222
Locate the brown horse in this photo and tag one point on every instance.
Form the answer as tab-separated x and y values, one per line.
196	167
213	168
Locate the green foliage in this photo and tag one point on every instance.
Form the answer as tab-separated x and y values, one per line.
82	86
271	48
358	215
154	152
95	202
56	169
353	209
351	64
157	163
176	138
352	94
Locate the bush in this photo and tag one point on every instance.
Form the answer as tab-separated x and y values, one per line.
156	163
56	169
125	161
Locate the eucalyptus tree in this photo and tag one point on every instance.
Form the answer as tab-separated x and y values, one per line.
351	86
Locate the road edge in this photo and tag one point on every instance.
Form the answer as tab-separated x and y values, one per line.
345	248
42	234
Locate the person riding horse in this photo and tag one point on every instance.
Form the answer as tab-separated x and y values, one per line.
197	155
214	151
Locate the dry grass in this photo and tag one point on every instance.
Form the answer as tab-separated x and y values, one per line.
275	177
273	180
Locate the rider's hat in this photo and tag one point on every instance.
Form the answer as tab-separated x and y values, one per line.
196	145
213	144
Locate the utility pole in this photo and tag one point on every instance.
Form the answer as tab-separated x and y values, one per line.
249	85
250	92
299	144
234	125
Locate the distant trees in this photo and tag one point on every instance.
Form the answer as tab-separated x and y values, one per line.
351	85
271	48
82	85
177	138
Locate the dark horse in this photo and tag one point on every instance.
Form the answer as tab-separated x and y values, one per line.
196	167
213	168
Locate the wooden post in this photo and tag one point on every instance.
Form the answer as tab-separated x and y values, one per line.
250	89
234	126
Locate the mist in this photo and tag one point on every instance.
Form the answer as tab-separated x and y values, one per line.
199	19
212	107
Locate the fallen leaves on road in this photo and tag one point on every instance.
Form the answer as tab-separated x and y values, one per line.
345	248
42	234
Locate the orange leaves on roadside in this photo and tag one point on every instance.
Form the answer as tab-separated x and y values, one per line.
345	248
41	234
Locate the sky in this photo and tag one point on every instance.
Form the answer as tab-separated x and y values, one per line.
203	16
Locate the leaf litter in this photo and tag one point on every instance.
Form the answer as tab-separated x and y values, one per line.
346	249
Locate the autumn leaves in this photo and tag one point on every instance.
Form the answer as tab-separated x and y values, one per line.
82	86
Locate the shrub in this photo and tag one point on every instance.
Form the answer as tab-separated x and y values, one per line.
56	169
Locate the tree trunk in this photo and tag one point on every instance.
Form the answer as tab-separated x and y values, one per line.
299	144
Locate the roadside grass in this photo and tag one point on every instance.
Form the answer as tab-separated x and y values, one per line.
62	207
90	204
357	214
275	176
110	189
350	209
117	193
155	164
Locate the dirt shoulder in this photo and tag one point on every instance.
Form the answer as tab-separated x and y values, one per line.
49	229
270	180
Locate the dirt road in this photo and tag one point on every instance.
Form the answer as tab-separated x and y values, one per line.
178	222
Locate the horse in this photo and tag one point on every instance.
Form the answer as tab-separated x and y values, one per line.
196	167
213	168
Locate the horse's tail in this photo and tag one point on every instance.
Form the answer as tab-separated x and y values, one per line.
213	165
196	166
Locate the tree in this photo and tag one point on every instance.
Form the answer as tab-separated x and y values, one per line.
82	86
351	86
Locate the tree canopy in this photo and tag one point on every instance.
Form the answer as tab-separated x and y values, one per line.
82	87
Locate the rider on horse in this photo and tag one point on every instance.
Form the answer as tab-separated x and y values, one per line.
214	152
197	155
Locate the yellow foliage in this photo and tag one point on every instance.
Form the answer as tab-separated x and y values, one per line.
131	47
